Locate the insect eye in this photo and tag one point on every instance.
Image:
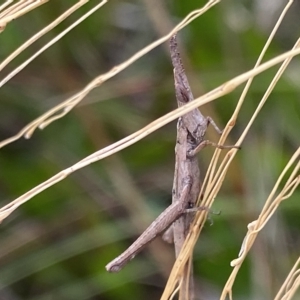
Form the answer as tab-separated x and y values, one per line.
190	205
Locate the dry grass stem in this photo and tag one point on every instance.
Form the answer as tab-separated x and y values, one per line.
16	10
44	48
34	38
291	283
62	109
217	169
140	134
234	116
213	179
268	210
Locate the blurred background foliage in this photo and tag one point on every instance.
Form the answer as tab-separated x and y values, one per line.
56	245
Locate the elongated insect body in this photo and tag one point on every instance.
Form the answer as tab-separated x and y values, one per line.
191	129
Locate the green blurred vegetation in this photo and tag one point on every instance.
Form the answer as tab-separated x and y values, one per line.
56	245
